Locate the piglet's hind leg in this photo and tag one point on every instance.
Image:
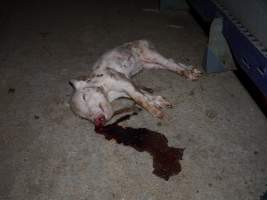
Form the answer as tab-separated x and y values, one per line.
154	60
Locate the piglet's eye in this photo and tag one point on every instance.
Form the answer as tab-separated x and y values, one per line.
84	97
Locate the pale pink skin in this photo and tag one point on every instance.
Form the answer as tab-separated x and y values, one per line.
110	80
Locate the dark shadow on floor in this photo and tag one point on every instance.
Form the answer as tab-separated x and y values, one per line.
254	92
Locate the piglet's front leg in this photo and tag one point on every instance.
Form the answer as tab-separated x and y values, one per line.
153	104
147	105
131	109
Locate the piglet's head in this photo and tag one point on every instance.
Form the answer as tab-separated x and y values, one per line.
90	102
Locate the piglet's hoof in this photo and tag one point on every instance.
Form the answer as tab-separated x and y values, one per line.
192	74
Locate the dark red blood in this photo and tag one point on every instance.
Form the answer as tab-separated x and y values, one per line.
166	160
100	121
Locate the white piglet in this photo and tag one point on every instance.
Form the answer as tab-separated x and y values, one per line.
110	80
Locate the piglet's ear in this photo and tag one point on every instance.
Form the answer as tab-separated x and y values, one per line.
77	84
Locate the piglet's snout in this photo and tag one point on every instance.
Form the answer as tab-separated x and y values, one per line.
100	121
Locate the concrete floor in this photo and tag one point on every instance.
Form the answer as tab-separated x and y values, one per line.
48	153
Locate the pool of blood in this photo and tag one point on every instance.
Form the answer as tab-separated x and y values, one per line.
166	160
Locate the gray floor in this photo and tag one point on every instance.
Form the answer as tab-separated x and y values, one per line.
48	153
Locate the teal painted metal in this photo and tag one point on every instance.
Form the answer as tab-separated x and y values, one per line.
211	62
218	56
247	50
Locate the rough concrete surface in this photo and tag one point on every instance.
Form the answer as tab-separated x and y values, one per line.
46	152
